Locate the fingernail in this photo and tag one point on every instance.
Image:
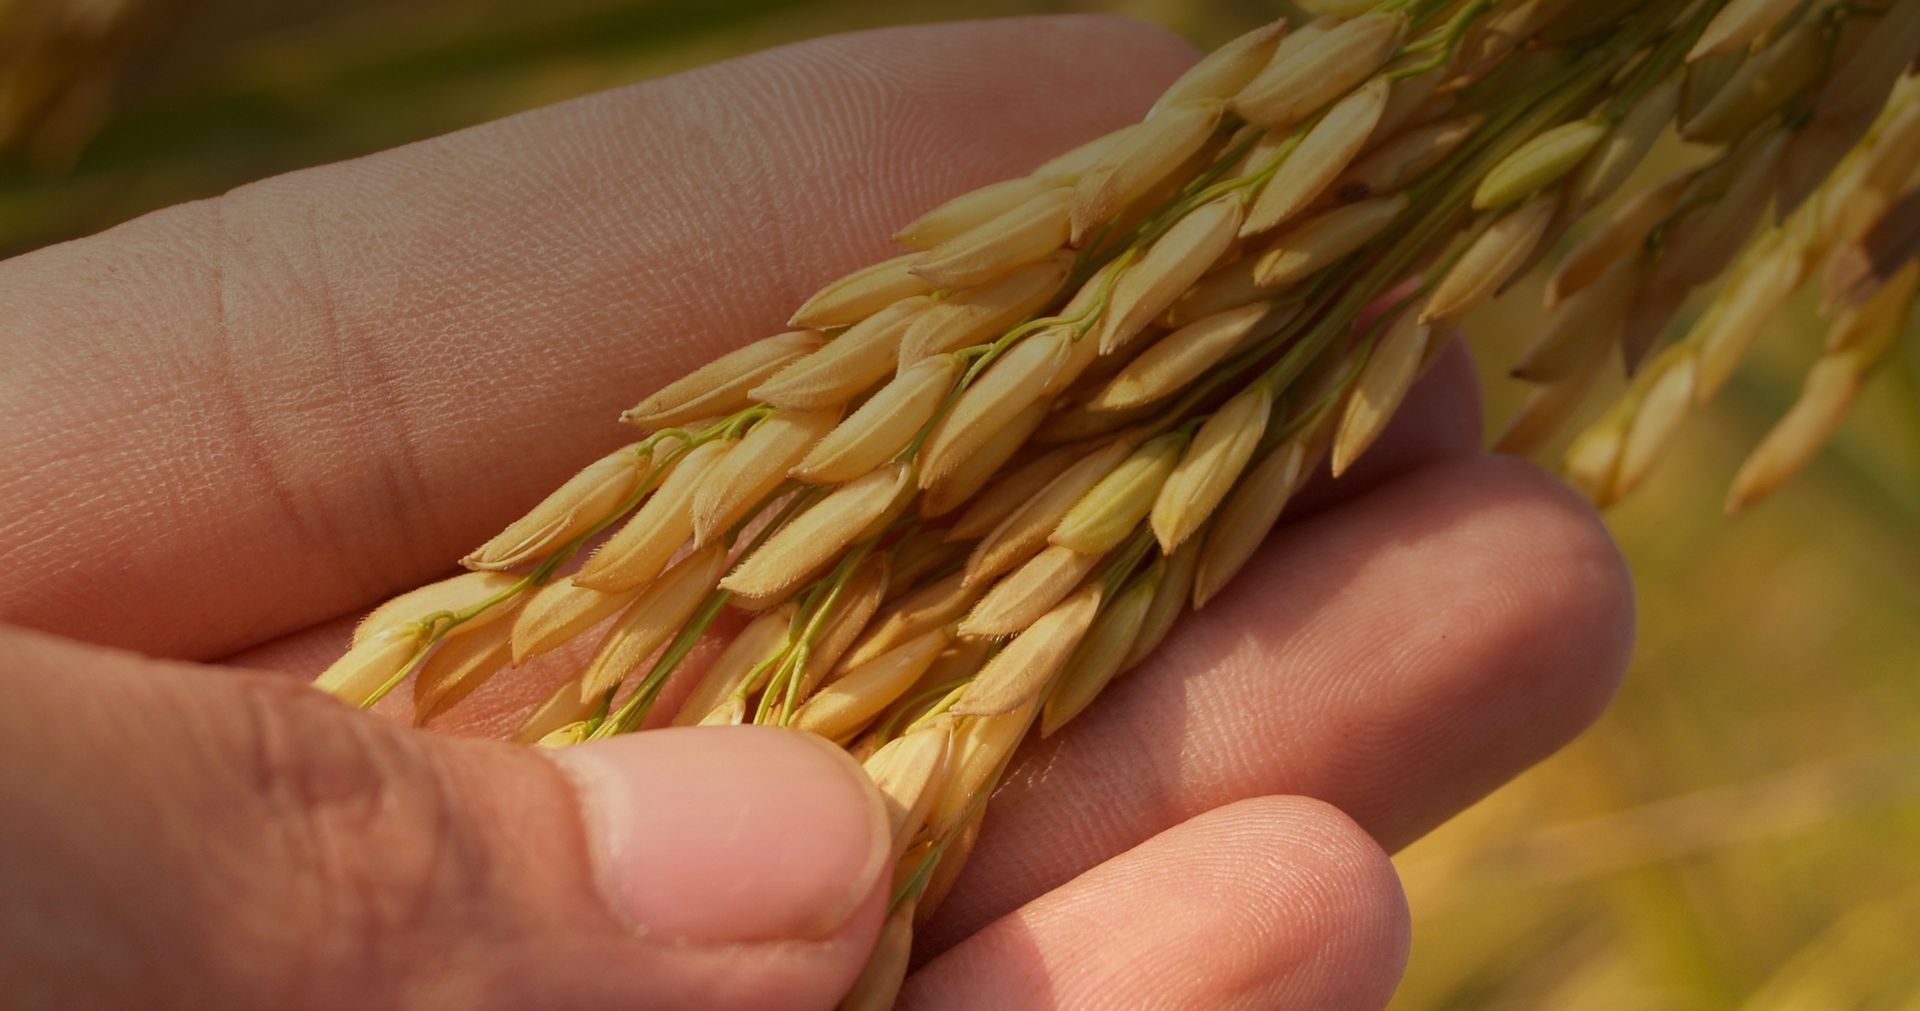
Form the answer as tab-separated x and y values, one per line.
730	834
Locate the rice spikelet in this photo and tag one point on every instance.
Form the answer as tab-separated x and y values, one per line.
720	386
863	293
969	210
652	619
1025	234
451	595
883	426
1319	242
850	701
1186	354
1384	381
811	540
1168	267
1017	675
1016	602
740	481
641	549
1209	468
861	356
1007	387
1100	655
584	500
1297	84
1496	257
1324	152
1107	514
1138	161
753	649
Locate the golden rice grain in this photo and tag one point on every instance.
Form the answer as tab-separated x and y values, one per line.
1108	513
1025	531
884	425
457	666
1384	381
987	510
652	619
1623	149
720	386
960	484
1099	656
1010	385
863	293
1324	153
643	547
1247	516
561	610
1223	72
453	595
946	873
1496	257
1138	161
1018	675
969	210
736	485
753	650
1025	234
1322	240
1018	600
855	607
1168	267
1404	159
1297	84
861	356
878	985
978	315
1170	595
1539	163
1658	411
1763	84
1701	244
1180	357
575	507
1230	286
1210	466
561	709
359	675
810	541
849	702
1729	328
1739	23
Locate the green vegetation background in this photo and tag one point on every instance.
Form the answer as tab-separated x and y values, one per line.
1742	830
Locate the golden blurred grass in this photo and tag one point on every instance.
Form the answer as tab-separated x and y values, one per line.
1743	828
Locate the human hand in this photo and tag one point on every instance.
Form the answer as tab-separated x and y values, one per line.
233	423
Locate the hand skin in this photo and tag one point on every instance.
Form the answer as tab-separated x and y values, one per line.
231	426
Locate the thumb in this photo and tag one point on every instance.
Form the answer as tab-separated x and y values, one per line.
199	837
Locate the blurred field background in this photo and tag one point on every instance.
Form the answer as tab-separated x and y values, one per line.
1741	831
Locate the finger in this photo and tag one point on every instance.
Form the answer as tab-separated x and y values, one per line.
1398	657
1270	903
235	840
236	418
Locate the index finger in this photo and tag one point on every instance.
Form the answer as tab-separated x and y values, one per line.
236	418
